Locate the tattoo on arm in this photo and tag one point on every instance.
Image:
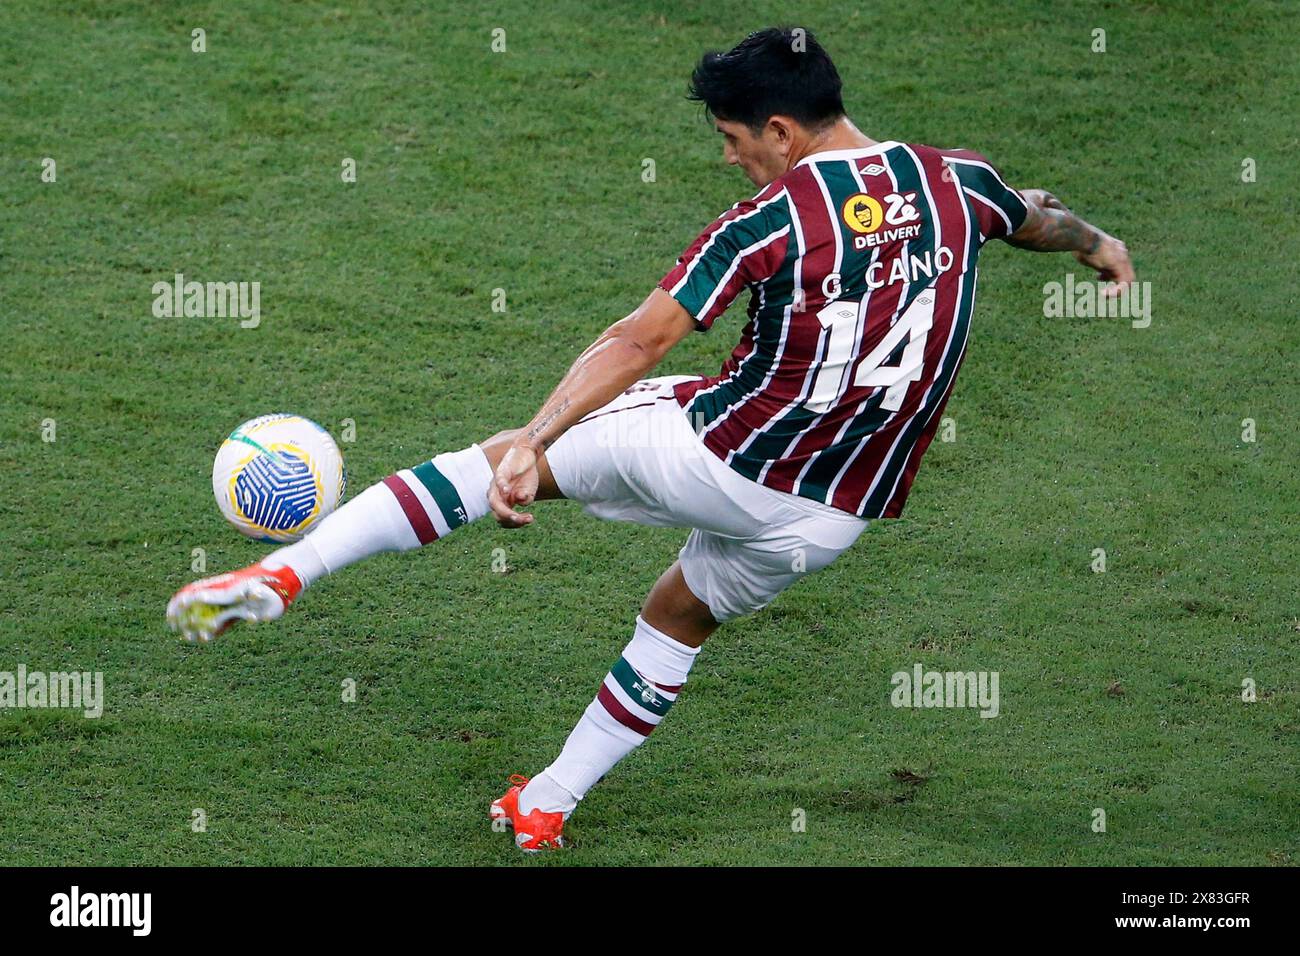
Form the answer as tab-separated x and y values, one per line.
545	422
1055	229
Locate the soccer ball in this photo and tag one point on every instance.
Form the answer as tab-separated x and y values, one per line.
276	476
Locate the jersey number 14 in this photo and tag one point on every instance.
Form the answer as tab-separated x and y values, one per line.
841	320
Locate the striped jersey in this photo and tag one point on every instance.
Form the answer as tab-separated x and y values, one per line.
861	267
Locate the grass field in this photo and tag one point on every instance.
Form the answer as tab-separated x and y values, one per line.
522	171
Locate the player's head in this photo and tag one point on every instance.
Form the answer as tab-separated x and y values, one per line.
773	89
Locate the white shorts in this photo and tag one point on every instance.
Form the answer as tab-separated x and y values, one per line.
637	459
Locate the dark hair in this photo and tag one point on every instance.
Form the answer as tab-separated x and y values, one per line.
780	70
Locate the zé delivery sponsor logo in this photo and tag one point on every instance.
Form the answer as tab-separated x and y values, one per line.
866	216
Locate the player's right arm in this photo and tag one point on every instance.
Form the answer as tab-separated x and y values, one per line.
1050	227
737	248
624	353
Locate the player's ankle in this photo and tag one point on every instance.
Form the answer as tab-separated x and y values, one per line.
288	583
545	794
301	558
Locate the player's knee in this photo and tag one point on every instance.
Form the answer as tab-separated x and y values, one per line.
673	608
699	617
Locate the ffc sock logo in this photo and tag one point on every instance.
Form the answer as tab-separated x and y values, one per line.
134	910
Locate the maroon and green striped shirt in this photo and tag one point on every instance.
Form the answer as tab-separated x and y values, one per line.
861	266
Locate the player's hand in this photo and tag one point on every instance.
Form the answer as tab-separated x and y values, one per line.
1112	264
514	486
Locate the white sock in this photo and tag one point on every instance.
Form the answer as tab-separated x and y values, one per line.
413	507
636	694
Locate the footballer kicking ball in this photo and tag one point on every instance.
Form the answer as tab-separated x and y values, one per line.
276	476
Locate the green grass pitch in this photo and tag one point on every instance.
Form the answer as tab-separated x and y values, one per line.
522	171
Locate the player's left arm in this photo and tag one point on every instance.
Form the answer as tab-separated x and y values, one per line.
1050	227
623	354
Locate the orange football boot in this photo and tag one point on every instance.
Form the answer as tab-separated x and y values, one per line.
538	830
202	610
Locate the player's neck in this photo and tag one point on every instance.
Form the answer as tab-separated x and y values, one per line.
841	134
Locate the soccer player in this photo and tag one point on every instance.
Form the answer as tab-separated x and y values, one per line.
860	259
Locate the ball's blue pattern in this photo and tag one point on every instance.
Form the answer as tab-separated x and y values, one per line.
276	495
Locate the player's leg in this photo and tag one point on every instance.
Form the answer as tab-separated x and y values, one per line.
635	695
406	510
420	505
415	507
716	578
